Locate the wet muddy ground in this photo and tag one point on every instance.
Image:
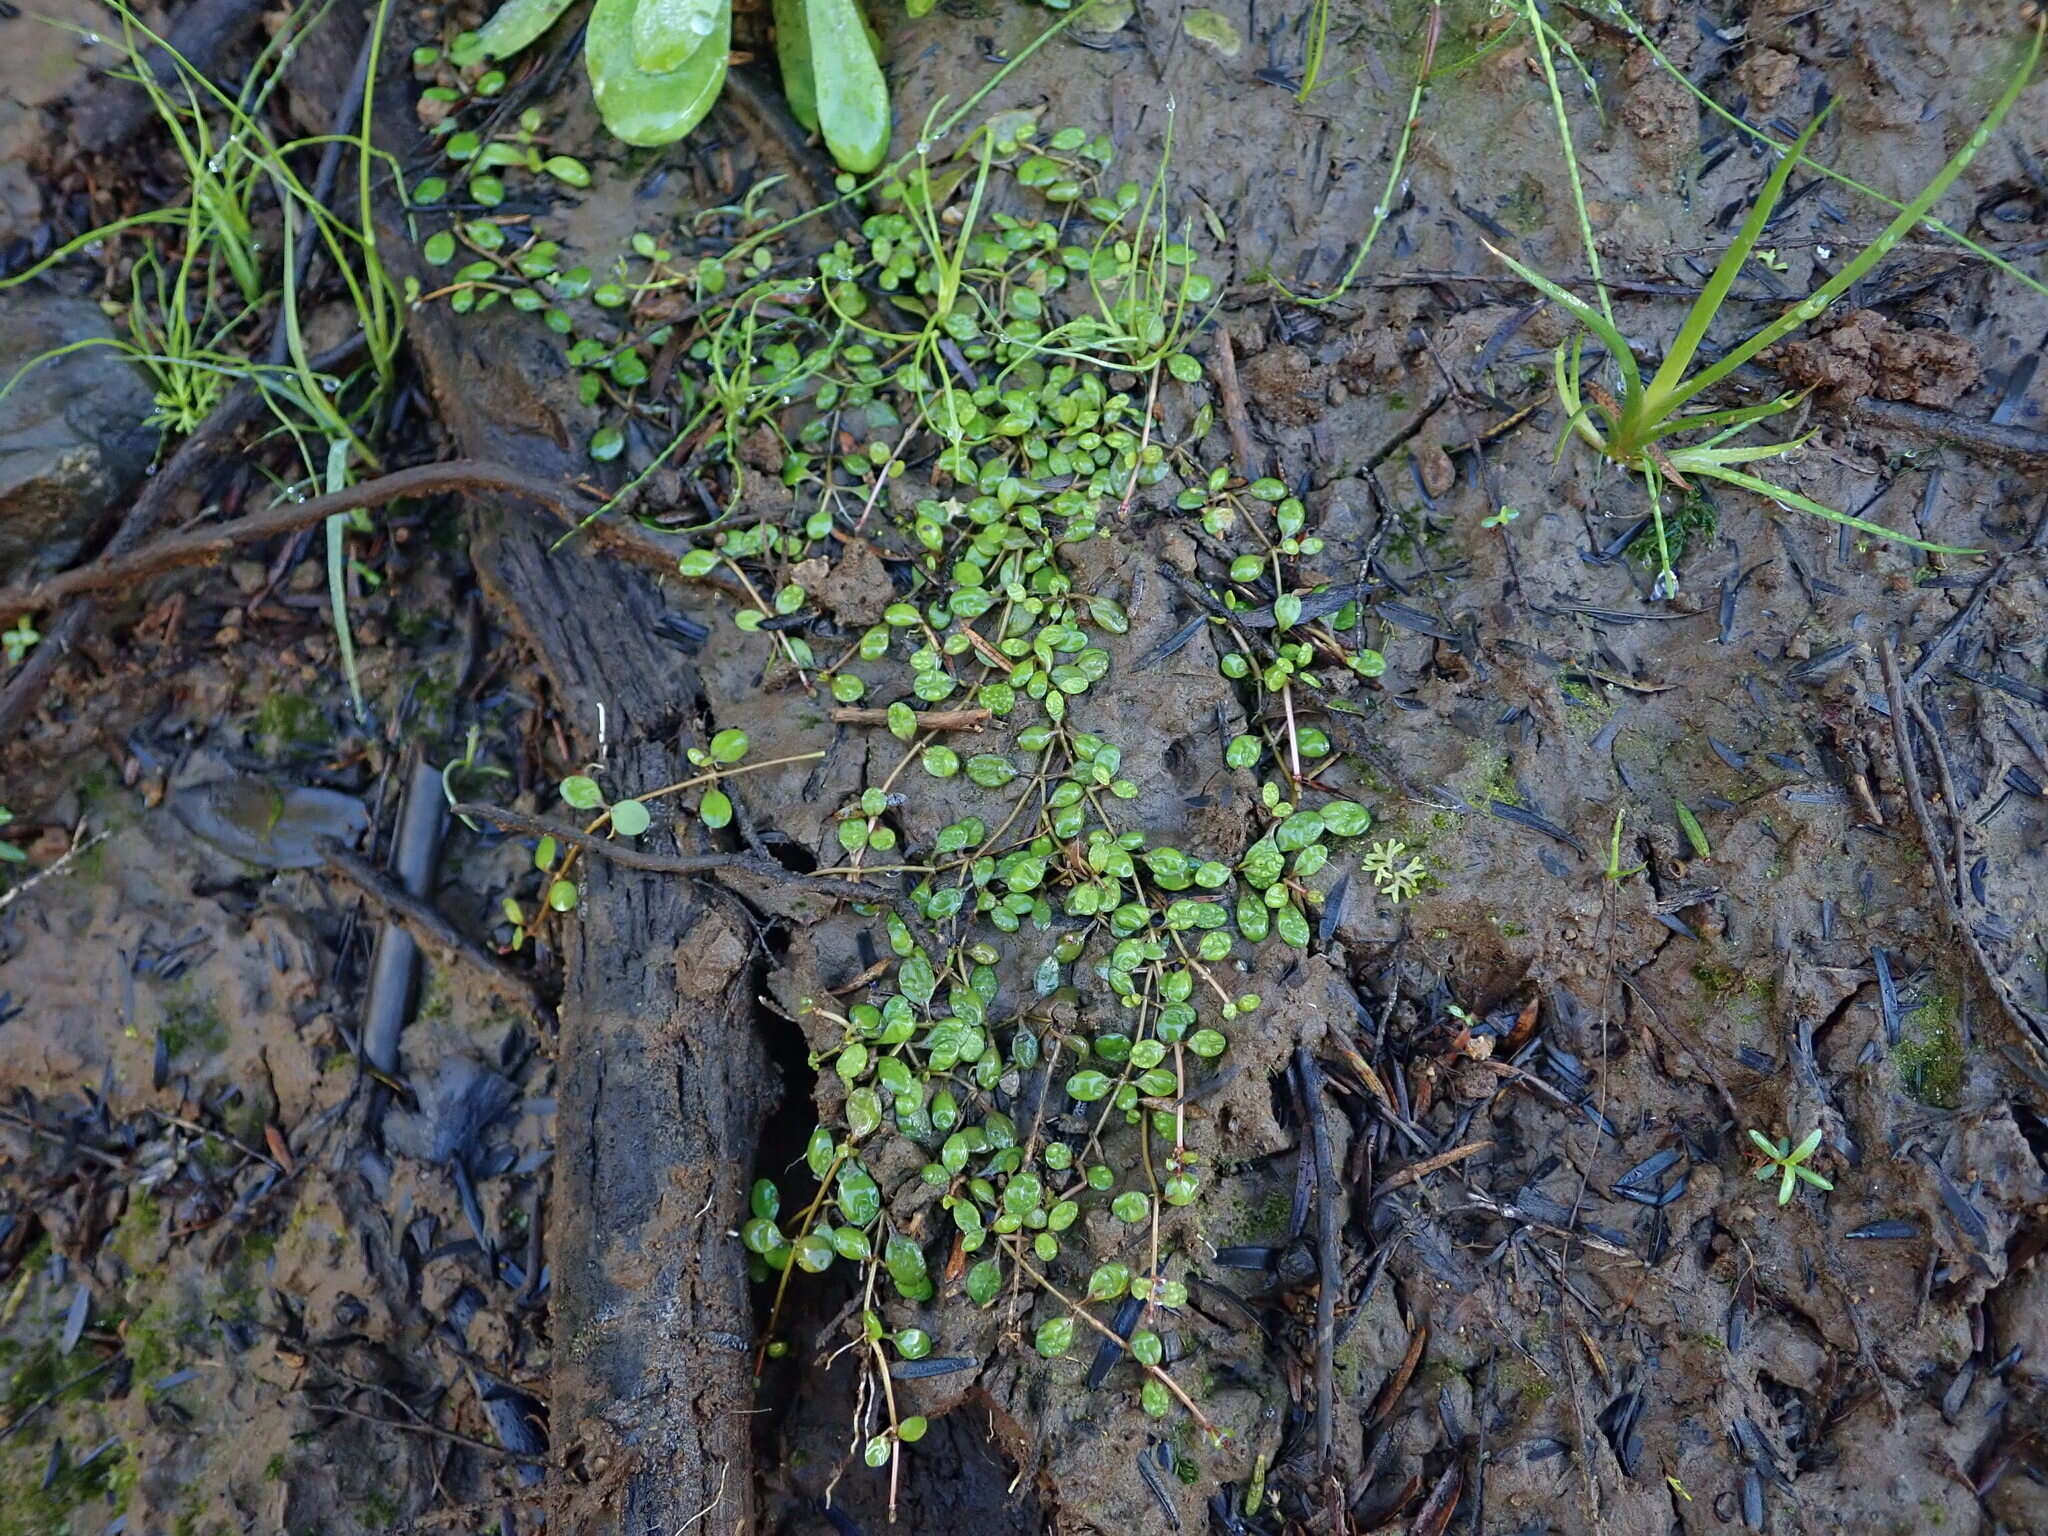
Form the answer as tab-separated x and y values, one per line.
248	1282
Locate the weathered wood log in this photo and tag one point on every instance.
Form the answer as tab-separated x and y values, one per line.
663	1080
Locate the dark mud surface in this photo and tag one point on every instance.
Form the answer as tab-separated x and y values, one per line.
287	1293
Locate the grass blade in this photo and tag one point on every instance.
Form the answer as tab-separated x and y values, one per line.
1793	499
1592	319
1715	294
1742	125
1875	252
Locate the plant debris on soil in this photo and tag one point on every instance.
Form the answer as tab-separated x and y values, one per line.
1018	856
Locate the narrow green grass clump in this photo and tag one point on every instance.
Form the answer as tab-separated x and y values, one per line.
202	282
1640	429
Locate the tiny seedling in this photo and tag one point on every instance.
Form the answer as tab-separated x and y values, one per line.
1615	872
1789	1163
1638	430
19	640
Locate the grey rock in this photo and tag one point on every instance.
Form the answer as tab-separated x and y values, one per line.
72	438
272	826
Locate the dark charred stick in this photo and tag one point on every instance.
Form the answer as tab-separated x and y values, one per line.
1310	1079
2022	448
1909	776
204	35
324	178
207	544
435	933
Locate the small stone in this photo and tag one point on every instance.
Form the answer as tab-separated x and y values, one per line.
72	439
248	575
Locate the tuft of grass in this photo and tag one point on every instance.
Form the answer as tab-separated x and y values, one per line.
1640	429
202	280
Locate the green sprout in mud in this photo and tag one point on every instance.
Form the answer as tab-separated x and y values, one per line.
1400	881
1615	873
10	853
1789	1163
1638	430
19	640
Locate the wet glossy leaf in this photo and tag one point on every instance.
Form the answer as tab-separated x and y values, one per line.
1055	1337
990	771
568	171
860	1199
984	1280
1088	1086
515	25
852	98
863	1113
648	107
1109	1281
818	1152
1346	818
814	1253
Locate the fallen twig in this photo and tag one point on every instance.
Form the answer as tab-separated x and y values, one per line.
1310	1077
197	452
628	856
1428	1166
469	1442
929	720
212	543
1909	777
1234	417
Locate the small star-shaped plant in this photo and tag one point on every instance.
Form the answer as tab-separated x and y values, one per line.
1789	1162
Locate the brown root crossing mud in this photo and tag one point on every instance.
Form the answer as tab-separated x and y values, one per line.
1481	1243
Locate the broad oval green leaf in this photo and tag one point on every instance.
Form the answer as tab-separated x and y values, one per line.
667	32
515	25
793	52
647	107
852	97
